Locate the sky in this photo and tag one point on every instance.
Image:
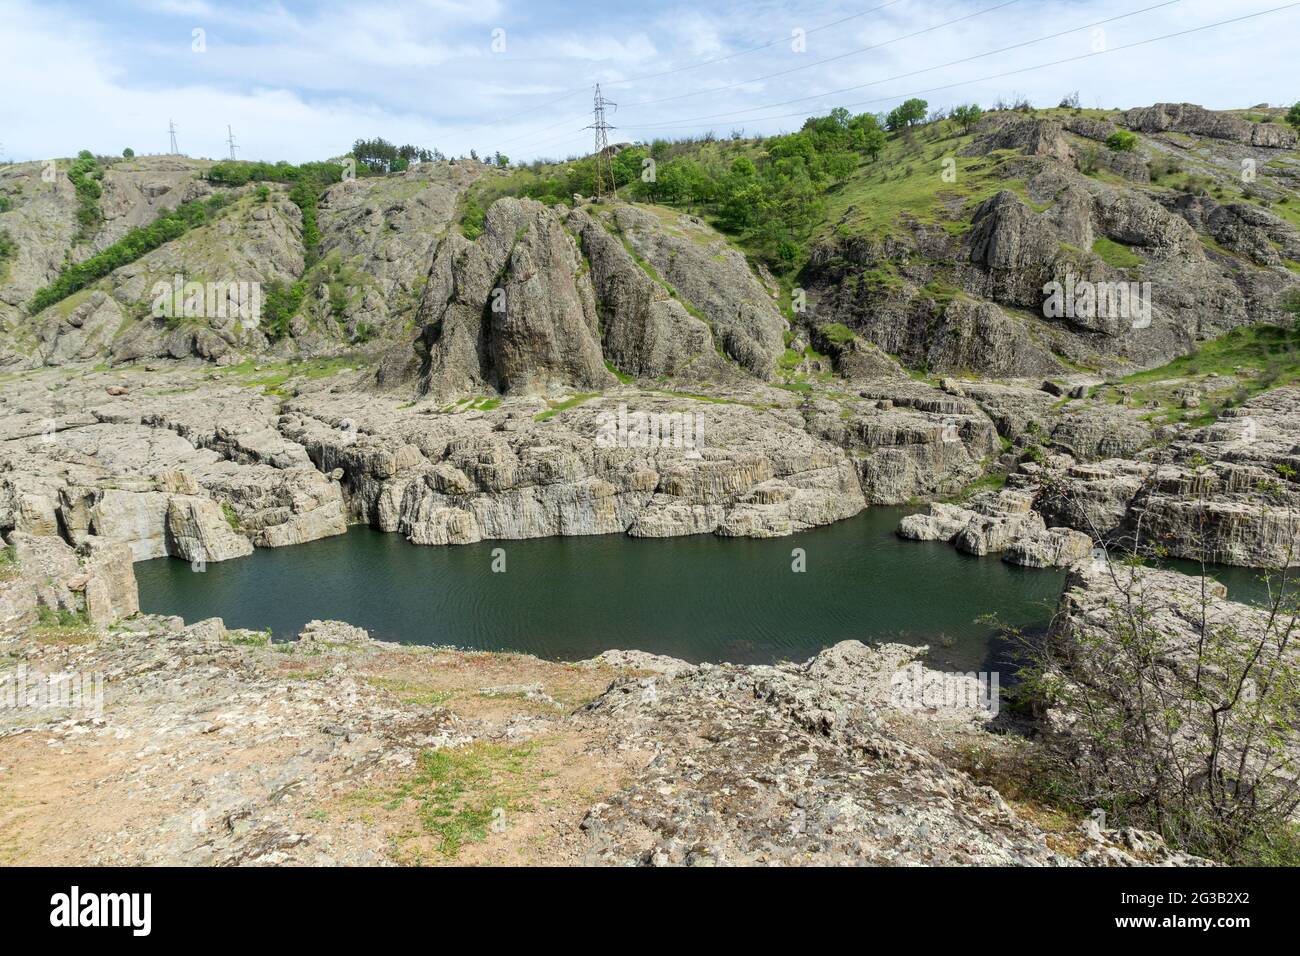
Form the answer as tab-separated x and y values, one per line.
301	81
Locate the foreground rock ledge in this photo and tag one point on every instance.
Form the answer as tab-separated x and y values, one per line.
213	748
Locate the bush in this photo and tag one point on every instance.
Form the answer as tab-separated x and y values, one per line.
85	175
471	224
1293	116
280	303
1121	141
967	115
1161	166
130	247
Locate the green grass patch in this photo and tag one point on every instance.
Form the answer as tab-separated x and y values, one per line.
621	376
8	563
63	627
410	694
231	517
458	794
1116	254
257	639
1268	355
557	407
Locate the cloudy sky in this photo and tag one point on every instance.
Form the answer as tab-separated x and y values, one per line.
302	80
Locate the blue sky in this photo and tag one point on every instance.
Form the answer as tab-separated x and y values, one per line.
300	81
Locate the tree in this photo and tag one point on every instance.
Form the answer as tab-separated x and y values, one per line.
967	115
866	136
907	115
1121	141
380	156
1179	710
840	166
128	153
1293	116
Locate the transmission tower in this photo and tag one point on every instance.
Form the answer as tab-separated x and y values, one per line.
171	129
230	140
602	145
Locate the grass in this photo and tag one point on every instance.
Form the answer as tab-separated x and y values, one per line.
991	482
410	693
1116	254
906	182
557	407
621	376
8	563
1269	353
458	794
257	639
232	518
272	377
63	627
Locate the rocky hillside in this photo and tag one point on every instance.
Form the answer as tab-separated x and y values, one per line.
447	377
936	252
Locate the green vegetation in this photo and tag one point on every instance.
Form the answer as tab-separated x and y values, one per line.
909	114
272	377
557	407
459	793
622	377
132	246
967	115
62	626
471	220
1293	115
378	156
308	181
1268	356
1115	254
769	194
280	303
85	174
411	693
8	562
8	251
1122	141
250	639
232	518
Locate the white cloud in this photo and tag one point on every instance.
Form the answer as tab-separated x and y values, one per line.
301	84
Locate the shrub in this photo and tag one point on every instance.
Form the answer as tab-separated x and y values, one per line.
130	247
471	223
1121	141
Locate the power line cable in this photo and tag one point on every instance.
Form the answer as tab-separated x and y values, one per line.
931	69
998	76
829	59
693	66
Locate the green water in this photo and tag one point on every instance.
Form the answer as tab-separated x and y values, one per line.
700	598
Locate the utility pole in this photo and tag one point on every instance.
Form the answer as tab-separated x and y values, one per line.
602	144
230	140
171	129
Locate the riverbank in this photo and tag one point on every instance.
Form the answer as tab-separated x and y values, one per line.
213	748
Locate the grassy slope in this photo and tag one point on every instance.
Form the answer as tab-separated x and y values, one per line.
1226	371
